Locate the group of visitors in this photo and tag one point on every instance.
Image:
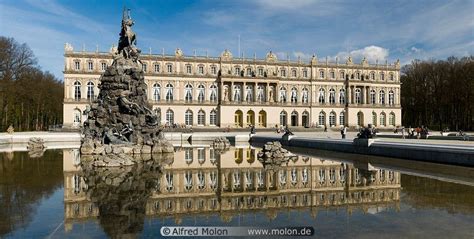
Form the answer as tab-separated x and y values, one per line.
421	132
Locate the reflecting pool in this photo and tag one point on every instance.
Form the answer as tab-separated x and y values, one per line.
59	195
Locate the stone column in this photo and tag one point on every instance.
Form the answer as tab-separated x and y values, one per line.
244	92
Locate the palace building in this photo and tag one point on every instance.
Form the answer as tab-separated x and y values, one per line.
227	91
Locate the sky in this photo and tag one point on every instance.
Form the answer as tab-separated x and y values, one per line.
376	29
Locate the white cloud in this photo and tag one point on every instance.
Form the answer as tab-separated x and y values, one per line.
371	53
302	55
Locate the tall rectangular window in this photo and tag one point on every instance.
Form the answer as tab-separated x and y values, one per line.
103	66
213	70
90	65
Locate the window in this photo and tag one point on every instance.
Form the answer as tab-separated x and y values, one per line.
249	92
360	118
341	118
201	93
293	73
77	65
294	95
391	119
283	118
77	117
201	117
169	92
90	66
382	97
382	76
260	94
77	90
188	69
188	118
237	71
283	73
213	70
213	117
322	96
333	75
249	72
332	96
157	68
392	77
237	93
144	67
103	66
213	95
358	75
342	96
321	74
90	91
188	93
322	118
342	75
169	68
372	97
391	98
305	73
372	75
332	118
201	70
282	96
374	118
304	97
260	71
358	96
156	92
169	117
382	119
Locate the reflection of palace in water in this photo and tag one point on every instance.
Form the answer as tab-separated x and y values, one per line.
200	181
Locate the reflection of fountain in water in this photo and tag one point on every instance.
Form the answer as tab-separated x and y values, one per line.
121	193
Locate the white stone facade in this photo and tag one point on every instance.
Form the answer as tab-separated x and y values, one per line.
235	92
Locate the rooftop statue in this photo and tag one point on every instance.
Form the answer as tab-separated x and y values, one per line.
128	39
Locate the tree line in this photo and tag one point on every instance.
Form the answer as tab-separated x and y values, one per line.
30	99
439	94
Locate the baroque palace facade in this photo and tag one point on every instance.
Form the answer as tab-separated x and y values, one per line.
226	91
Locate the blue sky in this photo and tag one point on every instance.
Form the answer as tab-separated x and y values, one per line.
376	29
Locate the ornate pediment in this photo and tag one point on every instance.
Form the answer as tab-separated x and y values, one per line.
271	57
226	55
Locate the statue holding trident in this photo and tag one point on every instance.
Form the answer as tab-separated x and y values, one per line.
127	42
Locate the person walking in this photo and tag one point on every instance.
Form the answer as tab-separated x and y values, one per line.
343	132
403	132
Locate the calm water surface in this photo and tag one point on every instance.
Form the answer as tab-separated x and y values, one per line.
58	196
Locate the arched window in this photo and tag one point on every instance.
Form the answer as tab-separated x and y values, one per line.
342	96
382	97
188	93
156	92
260	93
237	93
391	98
90	91
332	96
332	119
213	117
201	93
382	119
77	117
342	118
169	92
282	96
322	96
188	118
169	117
293	73
374	118
262	118
249	72
250	117
201	117
358	96
304	97
391	119
283	118
305	119
372	97
213	93
294	118
322	118
294	95
77	90
249	92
